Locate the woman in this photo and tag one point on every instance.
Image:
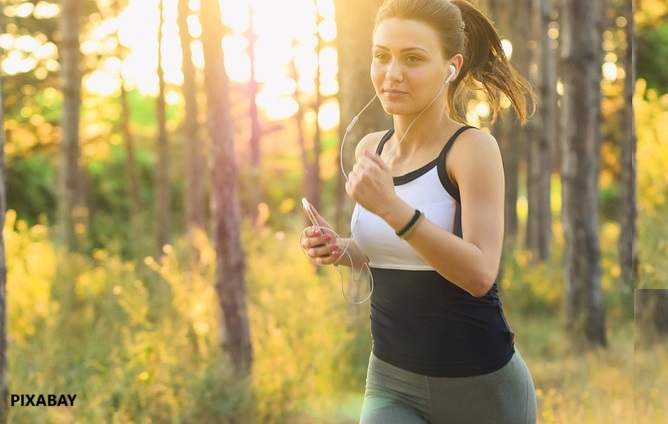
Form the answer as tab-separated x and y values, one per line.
429	223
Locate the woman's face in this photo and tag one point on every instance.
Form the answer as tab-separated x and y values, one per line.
408	66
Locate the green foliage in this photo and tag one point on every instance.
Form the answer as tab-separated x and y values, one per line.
652	59
139	342
135	342
609	200
533	286
536	287
302	338
108	199
652	156
31	186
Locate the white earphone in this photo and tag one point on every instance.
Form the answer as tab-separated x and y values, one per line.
453	73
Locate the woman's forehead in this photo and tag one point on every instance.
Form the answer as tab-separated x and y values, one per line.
394	33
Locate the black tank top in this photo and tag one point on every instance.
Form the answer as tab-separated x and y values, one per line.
423	323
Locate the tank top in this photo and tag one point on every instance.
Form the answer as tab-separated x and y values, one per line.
420	321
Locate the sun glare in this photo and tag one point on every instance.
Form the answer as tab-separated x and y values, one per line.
237	61
328	118
507	47
284	31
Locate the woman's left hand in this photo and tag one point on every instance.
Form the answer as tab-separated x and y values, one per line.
370	183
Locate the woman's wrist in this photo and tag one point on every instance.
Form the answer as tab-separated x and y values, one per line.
398	215
415	221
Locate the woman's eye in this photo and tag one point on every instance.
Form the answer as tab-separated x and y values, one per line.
412	59
380	56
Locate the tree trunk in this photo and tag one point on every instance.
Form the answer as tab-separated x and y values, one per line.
254	187
131	180
355	20
509	139
313	185
509	152
580	141
497	13
308	155
539	169
194	157
651	314
129	145
230	261
627	219
514	138
68	188
4	390
162	204
130	159
255	126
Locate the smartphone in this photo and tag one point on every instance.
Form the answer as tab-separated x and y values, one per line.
307	210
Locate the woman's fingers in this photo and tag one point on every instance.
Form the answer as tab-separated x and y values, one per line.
321	248
324	254
315	237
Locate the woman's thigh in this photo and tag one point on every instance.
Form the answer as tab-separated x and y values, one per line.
395	396
505	396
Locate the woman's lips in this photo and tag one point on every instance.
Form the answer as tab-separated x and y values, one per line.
393	93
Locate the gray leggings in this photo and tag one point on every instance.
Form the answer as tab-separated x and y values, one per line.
395	396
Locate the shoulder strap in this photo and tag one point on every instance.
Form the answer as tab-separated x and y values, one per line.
383	140
448	185
452	140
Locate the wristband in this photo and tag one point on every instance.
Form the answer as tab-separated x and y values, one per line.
411	226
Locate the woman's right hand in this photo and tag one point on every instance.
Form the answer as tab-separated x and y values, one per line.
320	243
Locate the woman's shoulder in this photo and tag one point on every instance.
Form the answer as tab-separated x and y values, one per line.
474	151
473	141
370	142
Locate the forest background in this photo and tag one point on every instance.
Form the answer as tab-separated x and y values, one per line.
128	165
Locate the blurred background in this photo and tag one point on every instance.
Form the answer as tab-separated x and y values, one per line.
155	152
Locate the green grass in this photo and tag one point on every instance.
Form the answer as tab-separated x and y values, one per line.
651	383
573	386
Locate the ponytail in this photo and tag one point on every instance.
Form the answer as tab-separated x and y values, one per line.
486	67
464	30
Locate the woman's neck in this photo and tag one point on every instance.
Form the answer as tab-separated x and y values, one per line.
412	134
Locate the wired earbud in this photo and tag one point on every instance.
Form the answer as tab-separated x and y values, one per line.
453	73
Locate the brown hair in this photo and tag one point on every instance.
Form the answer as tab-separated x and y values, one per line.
465	30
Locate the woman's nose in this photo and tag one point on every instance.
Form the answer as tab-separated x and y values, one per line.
393	72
